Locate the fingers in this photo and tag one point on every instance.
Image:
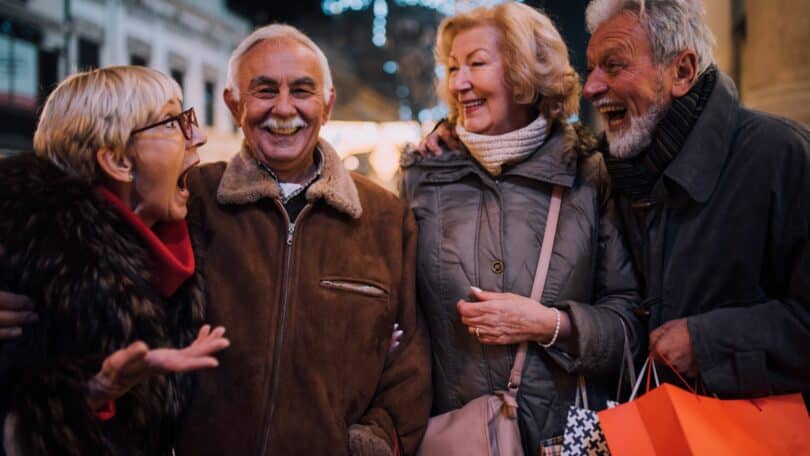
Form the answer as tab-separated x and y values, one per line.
10	333
482	295
204	331
432	144
126	361
422	148
219	331
11	301
395	336
17	318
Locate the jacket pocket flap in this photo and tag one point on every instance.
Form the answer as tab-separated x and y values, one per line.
353	285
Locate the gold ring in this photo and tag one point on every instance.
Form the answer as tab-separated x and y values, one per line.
477	332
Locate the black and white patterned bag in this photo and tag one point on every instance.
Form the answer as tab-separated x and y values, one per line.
583	435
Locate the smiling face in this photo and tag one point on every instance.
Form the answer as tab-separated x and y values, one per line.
628	89
161	158
475	76
282	105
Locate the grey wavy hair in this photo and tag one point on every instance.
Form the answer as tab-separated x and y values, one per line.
673	26
274	32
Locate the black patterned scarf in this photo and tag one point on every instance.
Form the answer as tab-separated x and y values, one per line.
635	177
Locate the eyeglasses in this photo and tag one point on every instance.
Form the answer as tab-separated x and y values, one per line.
186	119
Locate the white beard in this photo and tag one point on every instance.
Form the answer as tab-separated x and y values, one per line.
629	142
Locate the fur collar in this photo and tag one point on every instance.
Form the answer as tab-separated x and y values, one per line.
245	182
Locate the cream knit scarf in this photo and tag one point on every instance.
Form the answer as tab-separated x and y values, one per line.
494	151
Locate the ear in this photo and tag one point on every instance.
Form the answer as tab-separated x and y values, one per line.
684	67
233	105
118	169
327	113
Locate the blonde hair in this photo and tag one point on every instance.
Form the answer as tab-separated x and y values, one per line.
99	109
537	69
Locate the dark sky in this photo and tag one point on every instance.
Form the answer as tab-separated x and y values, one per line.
263	11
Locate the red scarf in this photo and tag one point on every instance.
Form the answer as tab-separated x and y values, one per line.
168	242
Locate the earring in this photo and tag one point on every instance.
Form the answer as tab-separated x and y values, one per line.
130	177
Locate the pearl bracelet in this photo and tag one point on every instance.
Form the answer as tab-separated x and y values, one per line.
556	331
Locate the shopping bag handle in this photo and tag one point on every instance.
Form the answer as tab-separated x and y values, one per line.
672	368
627	364
648	367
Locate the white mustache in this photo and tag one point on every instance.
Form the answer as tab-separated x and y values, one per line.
274	123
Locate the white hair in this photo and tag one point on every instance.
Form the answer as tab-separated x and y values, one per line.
270	33
673	26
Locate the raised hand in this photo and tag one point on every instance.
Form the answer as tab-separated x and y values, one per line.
127	367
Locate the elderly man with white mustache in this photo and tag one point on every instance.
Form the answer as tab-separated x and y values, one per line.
309	267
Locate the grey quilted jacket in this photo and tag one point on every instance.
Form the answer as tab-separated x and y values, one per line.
484	231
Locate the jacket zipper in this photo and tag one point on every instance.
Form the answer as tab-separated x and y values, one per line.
282	321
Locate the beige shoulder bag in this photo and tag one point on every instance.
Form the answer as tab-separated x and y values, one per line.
488	425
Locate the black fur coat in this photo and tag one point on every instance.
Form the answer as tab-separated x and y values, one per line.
89	276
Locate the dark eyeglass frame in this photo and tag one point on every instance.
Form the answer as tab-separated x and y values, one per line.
187	120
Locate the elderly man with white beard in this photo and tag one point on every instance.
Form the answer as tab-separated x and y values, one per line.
310	267
714	199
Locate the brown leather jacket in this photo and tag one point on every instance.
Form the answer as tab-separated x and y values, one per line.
309	309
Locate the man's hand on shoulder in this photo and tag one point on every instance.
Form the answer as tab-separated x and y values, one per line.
672	343
444	135
15	312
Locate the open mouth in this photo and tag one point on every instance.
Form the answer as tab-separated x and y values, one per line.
283	130
615	114
470	105
182	181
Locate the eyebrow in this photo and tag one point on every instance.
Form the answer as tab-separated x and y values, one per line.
259	81
474	51
615	49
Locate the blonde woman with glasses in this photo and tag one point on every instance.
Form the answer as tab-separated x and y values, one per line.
92	226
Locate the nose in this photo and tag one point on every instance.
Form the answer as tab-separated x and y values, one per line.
198	138
284	105
595	85
460	80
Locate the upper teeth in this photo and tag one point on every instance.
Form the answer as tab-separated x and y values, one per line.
472	103
283	130
610	108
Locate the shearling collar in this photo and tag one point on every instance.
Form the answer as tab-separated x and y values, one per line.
245	182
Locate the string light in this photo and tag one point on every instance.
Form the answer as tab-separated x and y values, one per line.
380	9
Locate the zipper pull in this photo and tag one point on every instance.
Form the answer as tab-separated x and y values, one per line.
290	232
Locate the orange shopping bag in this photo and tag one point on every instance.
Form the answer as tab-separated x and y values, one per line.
671	421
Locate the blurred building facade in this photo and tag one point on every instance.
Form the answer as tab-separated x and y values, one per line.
42	41
763	46
380	84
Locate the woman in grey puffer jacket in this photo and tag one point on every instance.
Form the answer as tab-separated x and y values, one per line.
482	211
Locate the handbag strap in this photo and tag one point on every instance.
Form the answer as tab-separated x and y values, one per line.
539	281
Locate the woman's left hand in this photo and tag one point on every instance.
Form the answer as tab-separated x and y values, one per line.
506	318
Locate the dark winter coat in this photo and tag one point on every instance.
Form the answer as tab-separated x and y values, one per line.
484	231
309	308
89	276
728	246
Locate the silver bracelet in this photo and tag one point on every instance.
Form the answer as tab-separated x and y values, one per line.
556	331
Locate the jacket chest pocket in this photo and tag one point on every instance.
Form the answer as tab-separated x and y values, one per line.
361	287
